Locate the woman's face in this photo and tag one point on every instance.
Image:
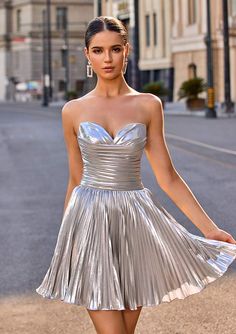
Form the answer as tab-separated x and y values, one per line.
107	49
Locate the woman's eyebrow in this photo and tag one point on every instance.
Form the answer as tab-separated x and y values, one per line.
102	47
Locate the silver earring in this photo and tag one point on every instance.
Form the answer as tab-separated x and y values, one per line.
89	70
125	66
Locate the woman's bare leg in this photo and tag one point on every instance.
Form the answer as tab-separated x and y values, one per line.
131	319
108	321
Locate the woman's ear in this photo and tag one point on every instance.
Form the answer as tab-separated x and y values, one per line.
86	53
127	46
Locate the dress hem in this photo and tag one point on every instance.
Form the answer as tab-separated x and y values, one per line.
199	289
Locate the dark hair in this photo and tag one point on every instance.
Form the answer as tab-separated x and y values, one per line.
102	23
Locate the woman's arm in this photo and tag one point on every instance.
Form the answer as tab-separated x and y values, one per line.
75	162
168	178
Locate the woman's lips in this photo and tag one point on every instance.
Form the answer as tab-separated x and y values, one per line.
108	69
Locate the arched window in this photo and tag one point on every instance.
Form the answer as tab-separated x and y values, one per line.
192	71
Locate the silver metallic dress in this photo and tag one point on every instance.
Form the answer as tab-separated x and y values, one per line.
118	248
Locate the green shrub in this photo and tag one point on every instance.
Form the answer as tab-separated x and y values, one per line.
191	88
71	94
156	88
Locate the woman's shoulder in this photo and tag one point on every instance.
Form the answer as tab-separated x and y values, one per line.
73	104
150	104
74	108
149	98
72	111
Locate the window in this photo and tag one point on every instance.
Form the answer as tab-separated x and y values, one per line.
61	21
18	20
154	29
233	5
44	19
147	25
61	85
64	58
192	9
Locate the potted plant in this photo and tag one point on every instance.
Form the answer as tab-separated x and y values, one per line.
71	94
157	88
190	90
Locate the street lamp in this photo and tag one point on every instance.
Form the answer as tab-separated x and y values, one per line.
137	82
45	76
99	7
228	104
65	55
49	46
65	65
47	66
210	111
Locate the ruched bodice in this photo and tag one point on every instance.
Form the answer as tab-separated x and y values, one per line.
112	163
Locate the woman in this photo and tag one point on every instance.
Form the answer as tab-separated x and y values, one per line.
117	250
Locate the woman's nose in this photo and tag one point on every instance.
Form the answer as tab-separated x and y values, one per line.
108	56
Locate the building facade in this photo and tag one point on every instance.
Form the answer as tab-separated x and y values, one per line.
171	39
22	46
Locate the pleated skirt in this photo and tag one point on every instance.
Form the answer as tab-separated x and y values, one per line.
121	249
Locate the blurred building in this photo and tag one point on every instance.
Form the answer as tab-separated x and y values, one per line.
188	48
21	43
167	40
171	40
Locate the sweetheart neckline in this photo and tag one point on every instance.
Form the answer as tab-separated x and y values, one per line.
118	132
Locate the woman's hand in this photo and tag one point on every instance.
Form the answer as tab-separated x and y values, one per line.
221	235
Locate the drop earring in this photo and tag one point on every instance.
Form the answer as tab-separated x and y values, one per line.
89	70
125	66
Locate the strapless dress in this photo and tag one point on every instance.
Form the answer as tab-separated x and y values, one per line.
117	246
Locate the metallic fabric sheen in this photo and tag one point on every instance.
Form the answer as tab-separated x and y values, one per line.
117	247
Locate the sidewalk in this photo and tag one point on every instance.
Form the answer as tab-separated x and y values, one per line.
179	108
175	109
171	108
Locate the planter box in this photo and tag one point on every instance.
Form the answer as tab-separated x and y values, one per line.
196	104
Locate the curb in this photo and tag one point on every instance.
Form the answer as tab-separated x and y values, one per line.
200	113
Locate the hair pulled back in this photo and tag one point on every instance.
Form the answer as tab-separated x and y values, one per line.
102	23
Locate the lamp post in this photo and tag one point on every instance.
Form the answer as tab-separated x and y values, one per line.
45	76
49	48
228	104
210	111
65	53
137	83
99	8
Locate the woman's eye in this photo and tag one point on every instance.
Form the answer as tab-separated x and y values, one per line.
115	49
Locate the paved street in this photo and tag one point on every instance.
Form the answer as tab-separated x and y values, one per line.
33	176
